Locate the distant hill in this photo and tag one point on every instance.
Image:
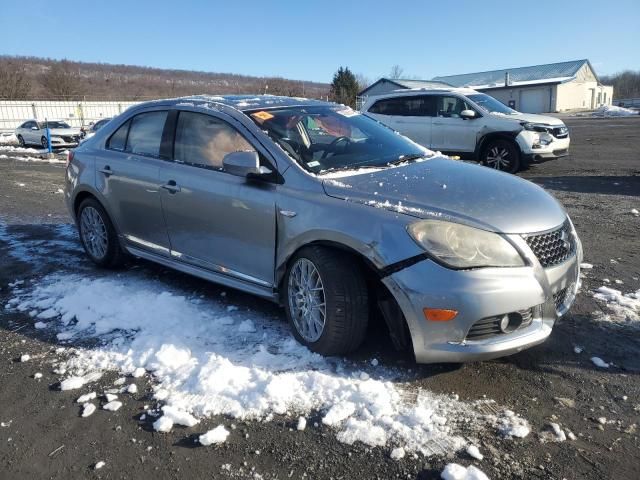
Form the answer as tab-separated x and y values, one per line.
43	78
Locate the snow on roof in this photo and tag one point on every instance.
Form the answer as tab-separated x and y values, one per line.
250	102
406	83
548	73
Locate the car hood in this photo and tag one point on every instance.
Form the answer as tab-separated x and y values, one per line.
446	189
531	117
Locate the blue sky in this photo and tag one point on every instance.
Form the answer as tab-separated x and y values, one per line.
308	40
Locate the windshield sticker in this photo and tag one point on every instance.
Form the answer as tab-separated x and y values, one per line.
312	164
348	112
262	116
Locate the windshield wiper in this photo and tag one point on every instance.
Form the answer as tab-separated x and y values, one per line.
348	167
411	157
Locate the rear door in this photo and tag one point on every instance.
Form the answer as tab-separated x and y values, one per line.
450	132
410	115
128	176
31	136
216	220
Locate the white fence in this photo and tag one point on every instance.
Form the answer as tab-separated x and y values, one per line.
77	114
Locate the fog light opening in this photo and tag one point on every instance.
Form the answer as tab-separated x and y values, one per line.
510	322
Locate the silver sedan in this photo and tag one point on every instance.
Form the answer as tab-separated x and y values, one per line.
332	215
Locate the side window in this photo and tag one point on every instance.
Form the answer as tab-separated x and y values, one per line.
204	140
118	139
145	133
412	106
450	107
389	106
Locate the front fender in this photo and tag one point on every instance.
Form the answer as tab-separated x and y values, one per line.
376	235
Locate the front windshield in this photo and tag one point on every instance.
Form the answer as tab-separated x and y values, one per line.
490	104
326	138
53	124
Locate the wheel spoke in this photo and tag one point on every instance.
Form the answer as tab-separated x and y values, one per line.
306	300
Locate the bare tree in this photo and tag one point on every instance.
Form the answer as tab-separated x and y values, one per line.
14	83
396	72
363	82
61	80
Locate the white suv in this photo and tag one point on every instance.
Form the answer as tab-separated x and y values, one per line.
464	122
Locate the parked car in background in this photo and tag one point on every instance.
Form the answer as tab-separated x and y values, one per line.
332	215
33	132
473	125
94	127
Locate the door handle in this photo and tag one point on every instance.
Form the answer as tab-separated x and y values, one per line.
171	186
106	170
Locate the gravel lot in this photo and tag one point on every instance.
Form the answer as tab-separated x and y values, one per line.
42	434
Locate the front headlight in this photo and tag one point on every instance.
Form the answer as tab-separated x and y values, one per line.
535	127
459	246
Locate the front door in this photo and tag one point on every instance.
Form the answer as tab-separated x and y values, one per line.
450	132
128	177
216	220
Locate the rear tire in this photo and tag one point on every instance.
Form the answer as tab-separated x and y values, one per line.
44	143
21	141
502	155
98	236
338	289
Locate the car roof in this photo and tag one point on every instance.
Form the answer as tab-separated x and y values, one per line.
423	91
244	102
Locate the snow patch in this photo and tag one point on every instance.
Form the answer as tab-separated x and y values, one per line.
113	406
453	471
215	436
598	362
202	367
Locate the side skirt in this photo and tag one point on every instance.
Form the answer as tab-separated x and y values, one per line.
245	286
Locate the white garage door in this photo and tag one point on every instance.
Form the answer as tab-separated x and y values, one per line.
534	101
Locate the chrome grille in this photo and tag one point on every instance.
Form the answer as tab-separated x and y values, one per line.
552	248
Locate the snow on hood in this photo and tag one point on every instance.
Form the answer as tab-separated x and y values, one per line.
449	189
530	117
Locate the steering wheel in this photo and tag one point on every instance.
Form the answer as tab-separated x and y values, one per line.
332	145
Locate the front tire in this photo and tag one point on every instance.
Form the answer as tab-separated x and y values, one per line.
98	236
326	301
21	141
44	143
502	155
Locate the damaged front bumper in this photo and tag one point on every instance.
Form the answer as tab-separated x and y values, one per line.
482	297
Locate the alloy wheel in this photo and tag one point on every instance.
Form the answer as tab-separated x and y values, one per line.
499	158
307	302
94	232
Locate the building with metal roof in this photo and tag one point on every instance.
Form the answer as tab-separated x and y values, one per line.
553	87
386	85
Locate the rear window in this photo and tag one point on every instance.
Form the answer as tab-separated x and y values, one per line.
145	133
118	140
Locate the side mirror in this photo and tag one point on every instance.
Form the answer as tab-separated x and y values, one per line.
243	164
468	114
35	128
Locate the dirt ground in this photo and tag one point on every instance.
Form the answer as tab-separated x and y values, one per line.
43	436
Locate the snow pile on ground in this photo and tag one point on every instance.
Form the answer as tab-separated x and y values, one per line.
613	111
207	360
453	471
217	435
625	308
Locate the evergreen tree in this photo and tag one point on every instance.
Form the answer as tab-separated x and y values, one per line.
344	87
